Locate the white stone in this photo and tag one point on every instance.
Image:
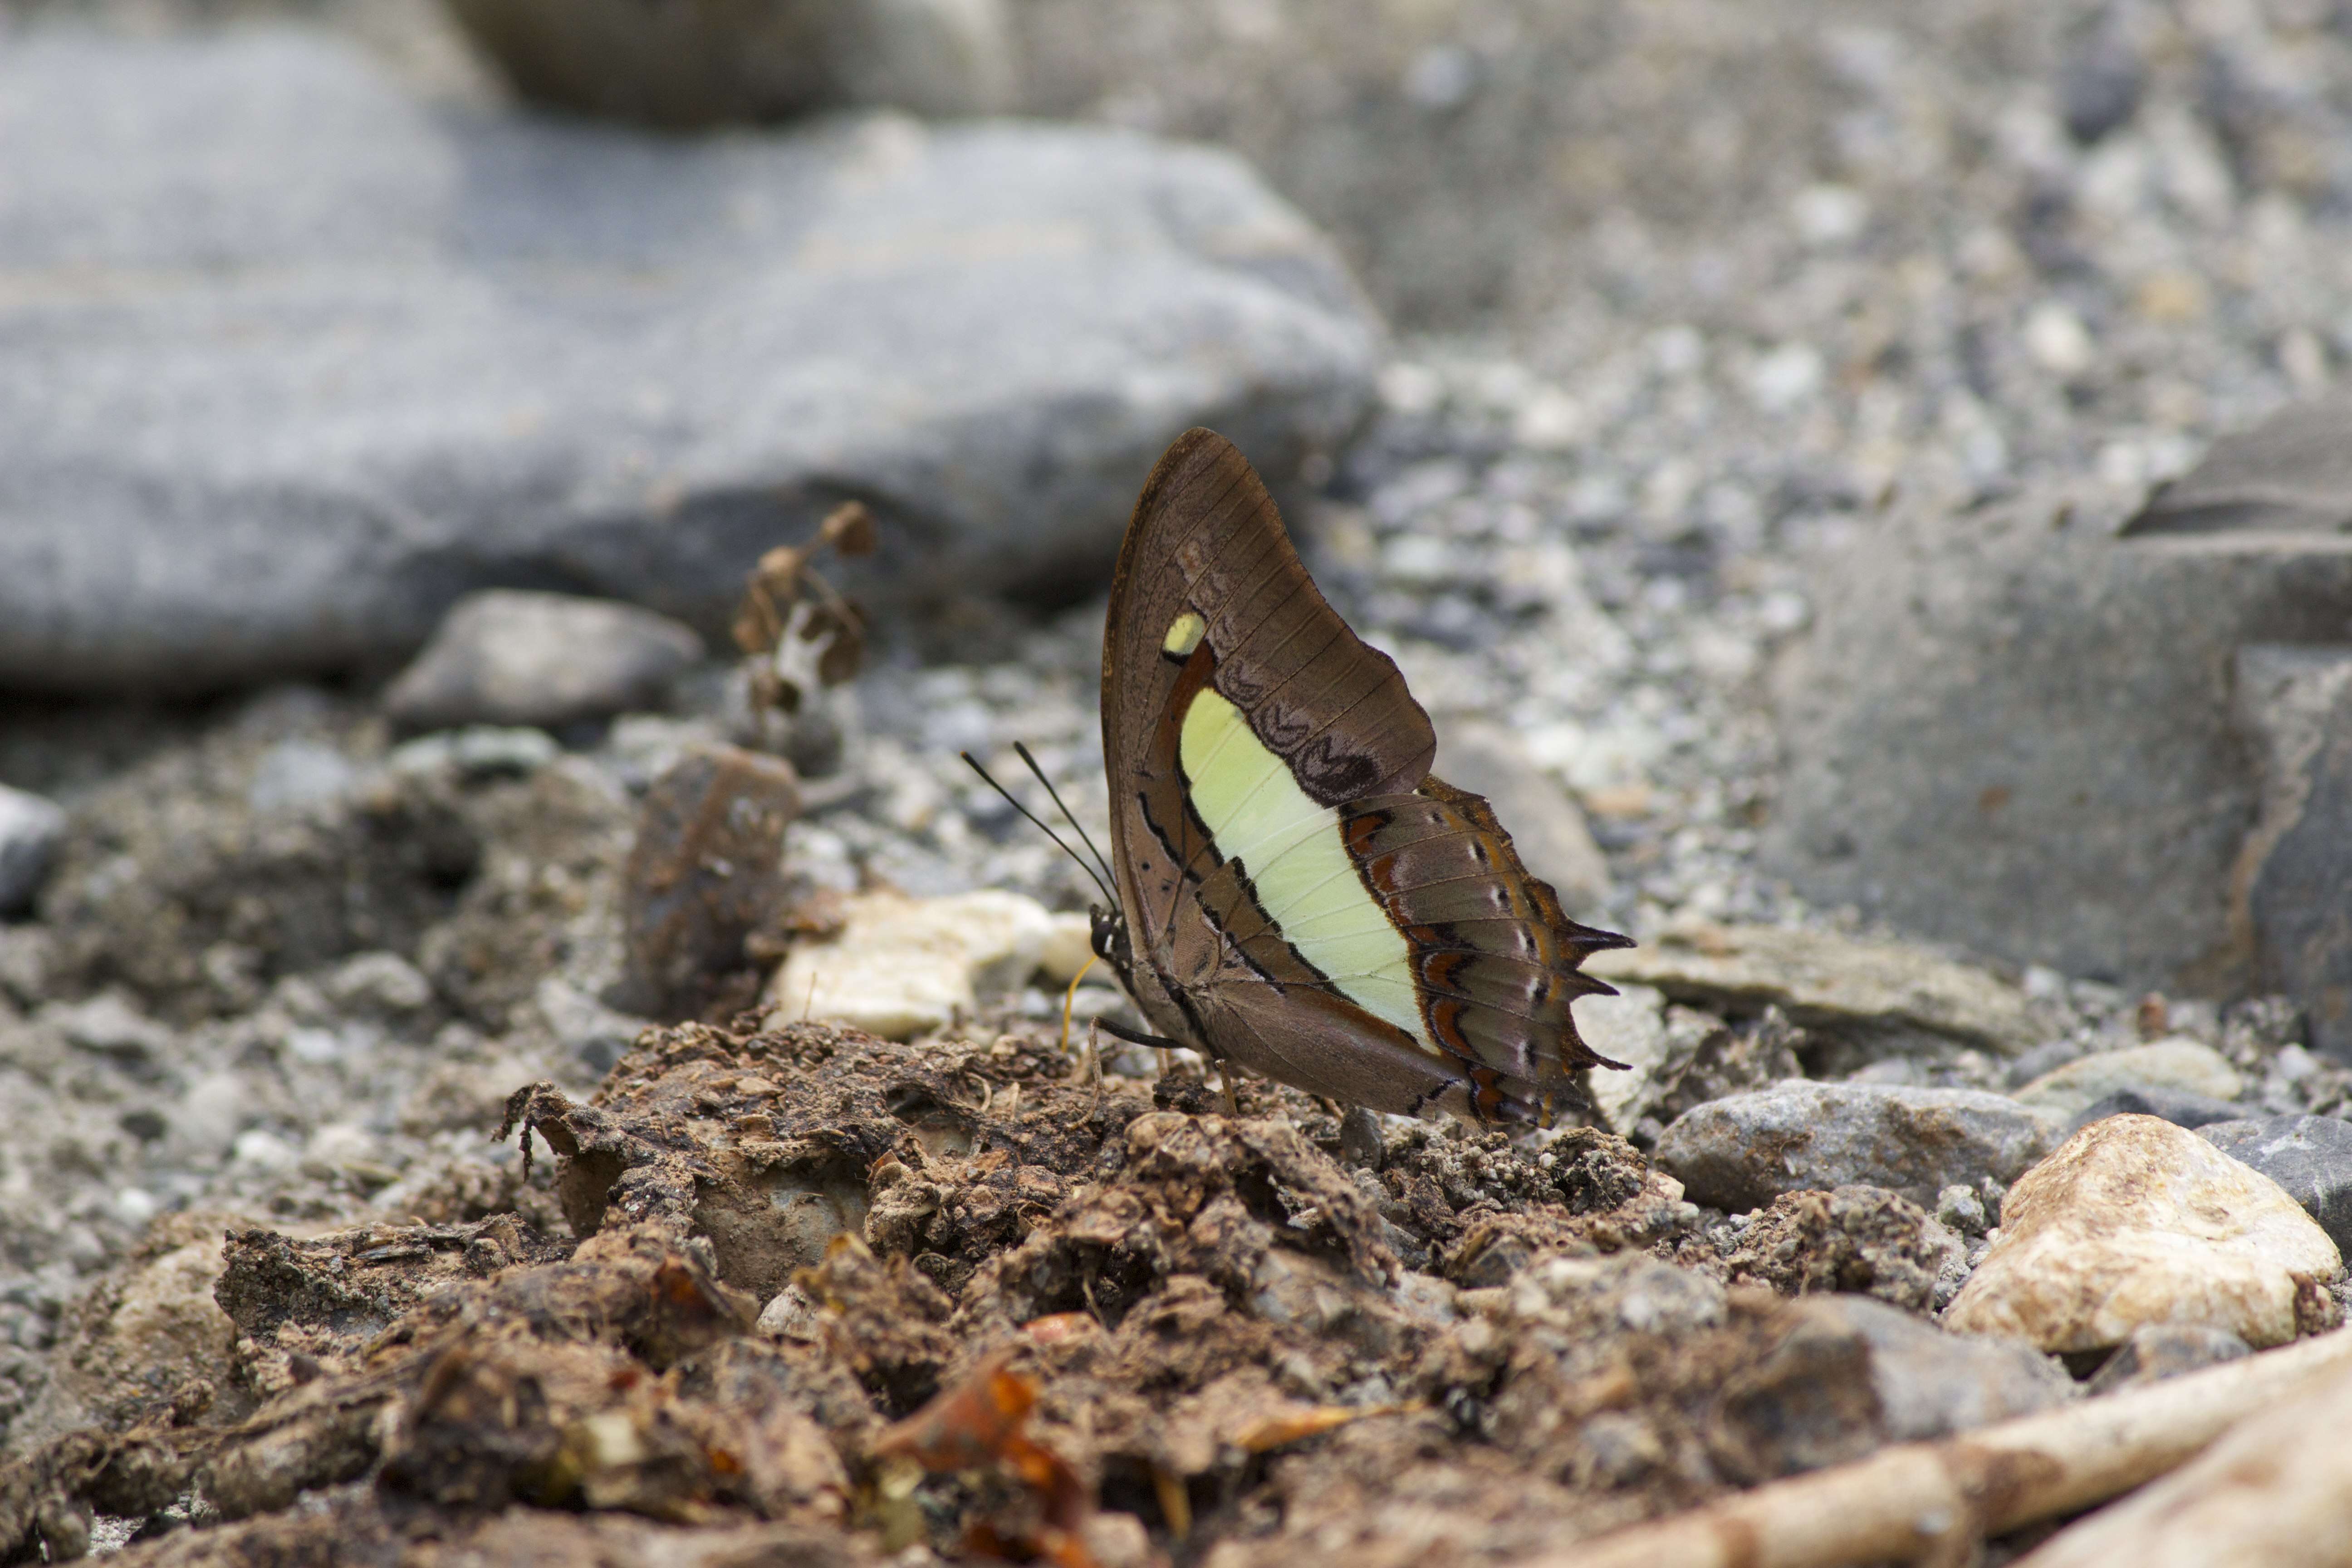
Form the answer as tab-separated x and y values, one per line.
1785	377
378	982
30	828
2057	340
1629	1027
2178	1062
901	966
337	1143
2134	1221
263	1151
1829	214
1068	945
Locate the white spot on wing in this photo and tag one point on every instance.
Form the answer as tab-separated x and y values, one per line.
1184	635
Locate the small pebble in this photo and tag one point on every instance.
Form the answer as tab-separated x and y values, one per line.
30	831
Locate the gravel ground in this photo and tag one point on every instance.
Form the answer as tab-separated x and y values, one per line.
1767	277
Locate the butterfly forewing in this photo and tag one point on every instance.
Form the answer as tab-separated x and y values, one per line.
1300	896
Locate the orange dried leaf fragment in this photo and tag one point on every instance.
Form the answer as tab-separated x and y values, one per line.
978	1425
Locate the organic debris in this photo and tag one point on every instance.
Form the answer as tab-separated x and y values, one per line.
800	633
837	1297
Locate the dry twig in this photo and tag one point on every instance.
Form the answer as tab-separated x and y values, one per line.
1932	1502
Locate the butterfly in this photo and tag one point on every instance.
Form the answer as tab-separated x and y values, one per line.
1296	894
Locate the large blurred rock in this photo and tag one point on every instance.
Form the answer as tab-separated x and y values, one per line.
2015	729
2295	899
289	362
721	60
505	658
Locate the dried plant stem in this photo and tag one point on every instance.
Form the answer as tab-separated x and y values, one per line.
1932	1502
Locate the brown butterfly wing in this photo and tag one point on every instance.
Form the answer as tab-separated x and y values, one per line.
1486	1030
1207	537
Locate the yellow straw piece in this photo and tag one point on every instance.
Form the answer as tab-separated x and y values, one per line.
1070	1000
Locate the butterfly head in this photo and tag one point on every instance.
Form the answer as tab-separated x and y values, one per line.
1110	942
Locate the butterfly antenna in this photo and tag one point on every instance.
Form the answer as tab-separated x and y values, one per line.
1055	795
988	779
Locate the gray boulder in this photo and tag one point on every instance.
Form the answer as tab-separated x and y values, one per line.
311	360
2179	1107
509	657
2310	1157
1851	1374
747	59
1741	1151
2295	707
2015	730
1930	1384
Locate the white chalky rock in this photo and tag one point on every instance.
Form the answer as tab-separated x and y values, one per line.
2178	1062
2134	1221
902	966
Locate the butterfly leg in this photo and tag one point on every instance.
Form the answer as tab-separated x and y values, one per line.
1137	1037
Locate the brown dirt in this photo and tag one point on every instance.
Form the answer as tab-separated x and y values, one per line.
1136	1334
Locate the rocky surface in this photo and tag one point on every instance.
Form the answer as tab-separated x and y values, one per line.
1931	1384
545	660
1876	999
2266	1492
2295	705
2066	694
2154	1352
2179	1066
1777	286
2134	1221
2310	1157
763	60
564	357
1745	1150
30	827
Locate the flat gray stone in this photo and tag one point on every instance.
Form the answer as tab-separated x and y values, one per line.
2309	1156
30	827
2291	473
2178	1065
1851	1374
1930	1384
508	657
289	362
2177	1106
2294	705
2015	730
2157	1351
1743	1151
1878	994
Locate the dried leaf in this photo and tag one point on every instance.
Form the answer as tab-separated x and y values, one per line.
1286	1427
